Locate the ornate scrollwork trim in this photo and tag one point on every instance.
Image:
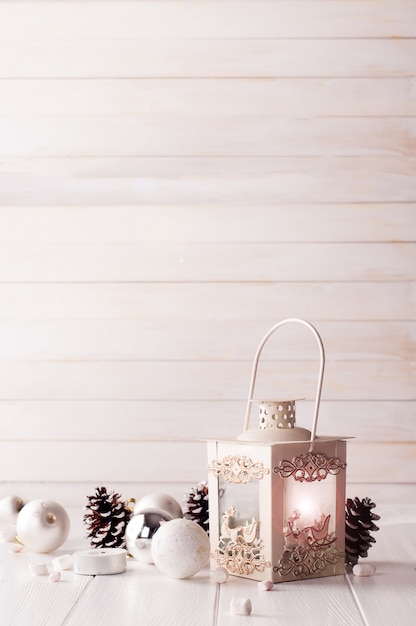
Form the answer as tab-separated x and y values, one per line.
309	467
308	560
241	559
238	469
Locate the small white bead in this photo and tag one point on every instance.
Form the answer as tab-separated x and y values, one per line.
240	606
219	575
54	577
363	569
38	569
265	585
63	562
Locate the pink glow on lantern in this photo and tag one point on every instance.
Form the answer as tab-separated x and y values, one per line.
307	508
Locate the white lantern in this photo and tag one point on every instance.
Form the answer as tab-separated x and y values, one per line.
277	493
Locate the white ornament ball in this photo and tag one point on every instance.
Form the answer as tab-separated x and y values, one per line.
180	548
9	509
42	525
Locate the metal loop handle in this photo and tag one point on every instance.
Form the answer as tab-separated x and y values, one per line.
320	378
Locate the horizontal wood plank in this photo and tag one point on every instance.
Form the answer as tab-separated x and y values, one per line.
74	494
381	461
173	174
195	262
208	135
213	181
162	461
225	20
210	58
172	420
200	223
199	339
110	461
233	302
194	380
387	496
158	101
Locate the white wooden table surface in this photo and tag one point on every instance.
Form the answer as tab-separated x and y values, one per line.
144	596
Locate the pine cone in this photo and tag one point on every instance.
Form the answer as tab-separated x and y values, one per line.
106	518
359	521
196	505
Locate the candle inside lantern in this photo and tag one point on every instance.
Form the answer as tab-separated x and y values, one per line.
309	516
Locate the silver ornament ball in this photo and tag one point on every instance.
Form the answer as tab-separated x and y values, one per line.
160	503
139	534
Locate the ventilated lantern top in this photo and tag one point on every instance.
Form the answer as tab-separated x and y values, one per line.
277	418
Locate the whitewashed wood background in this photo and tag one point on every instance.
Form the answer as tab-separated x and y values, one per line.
176	177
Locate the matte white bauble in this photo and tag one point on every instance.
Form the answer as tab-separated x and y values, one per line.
9	509
180	548
42	525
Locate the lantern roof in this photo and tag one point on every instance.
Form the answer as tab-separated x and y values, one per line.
247	442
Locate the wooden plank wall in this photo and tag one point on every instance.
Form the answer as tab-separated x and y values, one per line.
176	177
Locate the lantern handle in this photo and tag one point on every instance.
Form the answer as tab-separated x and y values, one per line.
321	370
